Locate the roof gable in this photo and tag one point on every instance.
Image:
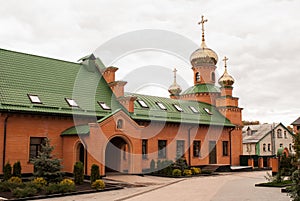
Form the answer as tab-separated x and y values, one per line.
52	81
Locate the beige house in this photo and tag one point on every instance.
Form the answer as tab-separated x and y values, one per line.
266	139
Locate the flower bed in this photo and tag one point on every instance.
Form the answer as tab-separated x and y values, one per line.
30	192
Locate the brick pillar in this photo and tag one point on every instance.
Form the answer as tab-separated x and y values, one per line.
275	165
251	162
270	162
260	162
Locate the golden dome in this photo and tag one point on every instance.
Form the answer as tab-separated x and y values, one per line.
204	55
175	89
226	79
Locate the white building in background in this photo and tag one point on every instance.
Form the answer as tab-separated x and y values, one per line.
266	139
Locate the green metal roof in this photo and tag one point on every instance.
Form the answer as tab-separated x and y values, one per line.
202	88
171	114
77	130
52	81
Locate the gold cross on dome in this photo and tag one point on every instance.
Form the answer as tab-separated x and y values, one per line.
202	23
225	61
175	70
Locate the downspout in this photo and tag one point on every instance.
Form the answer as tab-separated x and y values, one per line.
4	141
189	143
230	149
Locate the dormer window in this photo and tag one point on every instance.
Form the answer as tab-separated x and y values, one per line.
161	106
207	111
193	109
34	99
142	103
178	108
71	102
104	106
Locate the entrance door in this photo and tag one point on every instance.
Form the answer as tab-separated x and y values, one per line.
212	152
116	155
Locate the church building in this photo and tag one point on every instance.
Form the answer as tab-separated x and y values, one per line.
89	117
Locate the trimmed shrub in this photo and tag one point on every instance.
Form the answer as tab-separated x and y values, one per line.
66	185
176	173
98	184
4	187
15	180
17	169
195	170
24	192
40	182
187	172
7	171
95	173
78	172
152	165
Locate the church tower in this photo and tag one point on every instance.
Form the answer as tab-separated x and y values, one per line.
174	89
229	107
203	62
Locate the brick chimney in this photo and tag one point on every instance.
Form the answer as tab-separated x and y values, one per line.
128	102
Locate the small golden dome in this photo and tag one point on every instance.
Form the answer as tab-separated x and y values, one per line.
175	89
226	79
204	55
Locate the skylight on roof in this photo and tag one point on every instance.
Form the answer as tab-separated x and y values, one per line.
193	109
161	106
34	98
178	108
142	103
104	106
207	111
72	102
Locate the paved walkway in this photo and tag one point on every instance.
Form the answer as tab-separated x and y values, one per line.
227	187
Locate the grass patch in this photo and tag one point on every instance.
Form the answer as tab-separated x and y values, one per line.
275	184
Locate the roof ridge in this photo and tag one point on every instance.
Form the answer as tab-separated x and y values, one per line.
34	55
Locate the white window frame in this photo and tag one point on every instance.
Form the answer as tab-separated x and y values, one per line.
194	110
71	102
178	108
103	105
142	104
34	98
161	105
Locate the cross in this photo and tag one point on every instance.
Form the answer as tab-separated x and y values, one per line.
225	61
202	22
175	70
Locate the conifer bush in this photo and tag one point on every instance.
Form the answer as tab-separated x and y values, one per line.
17	169
78	173
45	165
95	173
7	171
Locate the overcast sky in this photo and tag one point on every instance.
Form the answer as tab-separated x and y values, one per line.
260	38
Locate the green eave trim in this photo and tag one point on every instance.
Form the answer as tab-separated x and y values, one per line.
76	130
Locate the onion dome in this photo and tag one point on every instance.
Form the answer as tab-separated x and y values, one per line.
174	89
226	79
203	54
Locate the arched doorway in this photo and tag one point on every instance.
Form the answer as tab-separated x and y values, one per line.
117	158
80	154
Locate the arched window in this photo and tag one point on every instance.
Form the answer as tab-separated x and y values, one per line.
264	147
290	147
197	77
279	133
213	76
285	136
120	124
